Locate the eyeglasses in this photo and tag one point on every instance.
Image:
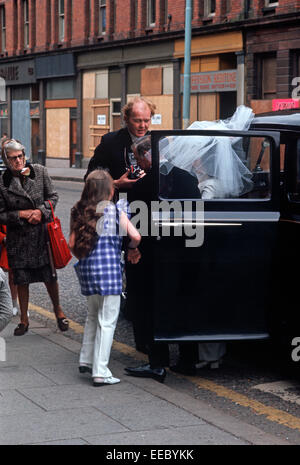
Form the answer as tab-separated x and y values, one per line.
16	157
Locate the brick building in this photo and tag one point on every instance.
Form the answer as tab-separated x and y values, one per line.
70	65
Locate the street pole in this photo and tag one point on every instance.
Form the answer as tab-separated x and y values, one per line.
187	64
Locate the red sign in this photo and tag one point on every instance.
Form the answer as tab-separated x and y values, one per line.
285	104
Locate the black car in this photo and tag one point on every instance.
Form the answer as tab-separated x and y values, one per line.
242	282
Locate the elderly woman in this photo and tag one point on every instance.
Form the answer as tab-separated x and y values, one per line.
24	191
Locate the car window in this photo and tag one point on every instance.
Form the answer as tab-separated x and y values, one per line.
211	168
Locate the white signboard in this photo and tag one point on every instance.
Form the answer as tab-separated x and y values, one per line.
156	119
101	119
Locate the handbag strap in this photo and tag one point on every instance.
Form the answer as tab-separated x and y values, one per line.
51	209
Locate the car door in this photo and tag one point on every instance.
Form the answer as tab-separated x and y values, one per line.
286	306
220	288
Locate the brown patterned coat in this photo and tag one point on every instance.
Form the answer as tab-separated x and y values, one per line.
26	243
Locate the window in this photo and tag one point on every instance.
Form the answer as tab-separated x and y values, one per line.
151	12
60	89
61	20
209	7
115	114
26	23
3	28
102	16
271	3
166	11
135	14
268	77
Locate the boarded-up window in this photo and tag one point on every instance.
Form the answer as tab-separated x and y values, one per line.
268	78
151	81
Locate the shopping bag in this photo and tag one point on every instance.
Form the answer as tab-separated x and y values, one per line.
60	250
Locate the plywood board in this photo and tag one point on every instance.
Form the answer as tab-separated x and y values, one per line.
151	81
261	106
87	121
88	85
58	133
68	103
164	107
209	44
207	107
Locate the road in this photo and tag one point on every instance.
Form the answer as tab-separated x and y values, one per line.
249	385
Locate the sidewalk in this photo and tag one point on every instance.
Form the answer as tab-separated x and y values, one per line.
44	400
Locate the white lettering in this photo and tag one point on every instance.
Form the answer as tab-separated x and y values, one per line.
296	352
296	81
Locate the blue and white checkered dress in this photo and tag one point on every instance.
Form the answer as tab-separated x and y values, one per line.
101	271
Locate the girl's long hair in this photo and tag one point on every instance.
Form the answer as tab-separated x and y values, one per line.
84	217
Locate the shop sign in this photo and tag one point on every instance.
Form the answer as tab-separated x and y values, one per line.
19	72
285	103
213	81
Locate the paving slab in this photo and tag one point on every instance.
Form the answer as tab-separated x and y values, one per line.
55	425
191	435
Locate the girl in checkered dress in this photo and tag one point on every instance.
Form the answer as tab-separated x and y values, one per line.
97	229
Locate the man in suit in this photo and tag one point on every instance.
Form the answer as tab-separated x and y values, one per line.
174	184
113	151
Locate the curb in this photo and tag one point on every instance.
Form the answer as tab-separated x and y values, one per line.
66	178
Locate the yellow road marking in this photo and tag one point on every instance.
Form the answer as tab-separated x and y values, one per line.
272	414
75	326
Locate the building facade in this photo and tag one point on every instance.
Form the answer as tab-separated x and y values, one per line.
70	65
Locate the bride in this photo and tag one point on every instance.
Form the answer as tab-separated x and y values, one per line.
214	160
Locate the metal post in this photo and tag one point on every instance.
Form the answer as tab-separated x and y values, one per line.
187	64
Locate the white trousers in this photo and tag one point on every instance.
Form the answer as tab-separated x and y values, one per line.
101	320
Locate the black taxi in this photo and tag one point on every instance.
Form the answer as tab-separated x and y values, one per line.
241	282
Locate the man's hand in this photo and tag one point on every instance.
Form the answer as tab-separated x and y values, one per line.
125	183
133	256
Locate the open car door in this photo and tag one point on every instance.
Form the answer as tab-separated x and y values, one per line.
219	290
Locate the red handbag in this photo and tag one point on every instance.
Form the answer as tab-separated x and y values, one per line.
60	250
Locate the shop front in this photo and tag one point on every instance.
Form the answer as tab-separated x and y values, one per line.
112	77
19	108
217	74
57	82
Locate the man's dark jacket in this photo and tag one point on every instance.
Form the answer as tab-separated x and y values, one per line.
111	152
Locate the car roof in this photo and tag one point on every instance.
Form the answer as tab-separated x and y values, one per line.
284	120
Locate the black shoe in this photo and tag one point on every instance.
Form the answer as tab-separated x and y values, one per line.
145	371
189	370
21	329
85	369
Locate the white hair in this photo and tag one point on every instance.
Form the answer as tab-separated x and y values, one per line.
11	145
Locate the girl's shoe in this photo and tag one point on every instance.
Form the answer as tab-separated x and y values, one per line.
63	323
105	381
